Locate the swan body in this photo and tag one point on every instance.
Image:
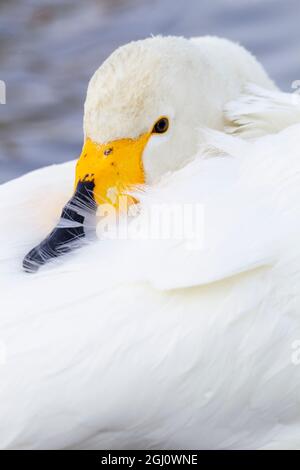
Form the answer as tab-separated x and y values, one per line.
159	343
261	111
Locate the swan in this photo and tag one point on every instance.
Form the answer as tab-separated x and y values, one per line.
158	343
142	111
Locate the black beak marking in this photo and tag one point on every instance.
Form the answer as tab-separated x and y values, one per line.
66	237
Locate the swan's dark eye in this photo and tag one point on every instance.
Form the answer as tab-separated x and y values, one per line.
161	126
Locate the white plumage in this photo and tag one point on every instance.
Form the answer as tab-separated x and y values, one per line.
151	344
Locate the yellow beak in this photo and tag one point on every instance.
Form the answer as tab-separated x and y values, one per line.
104	172
114	167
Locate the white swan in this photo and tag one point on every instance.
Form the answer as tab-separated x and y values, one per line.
143	109
159	344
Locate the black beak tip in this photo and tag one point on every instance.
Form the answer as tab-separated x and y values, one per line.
32	261
64	239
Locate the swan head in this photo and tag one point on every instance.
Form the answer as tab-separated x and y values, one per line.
143	108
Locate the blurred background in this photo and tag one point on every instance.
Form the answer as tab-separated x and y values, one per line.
50	48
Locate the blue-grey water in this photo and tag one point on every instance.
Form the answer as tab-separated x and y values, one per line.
49	49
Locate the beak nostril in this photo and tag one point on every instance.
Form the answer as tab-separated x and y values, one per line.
108	151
